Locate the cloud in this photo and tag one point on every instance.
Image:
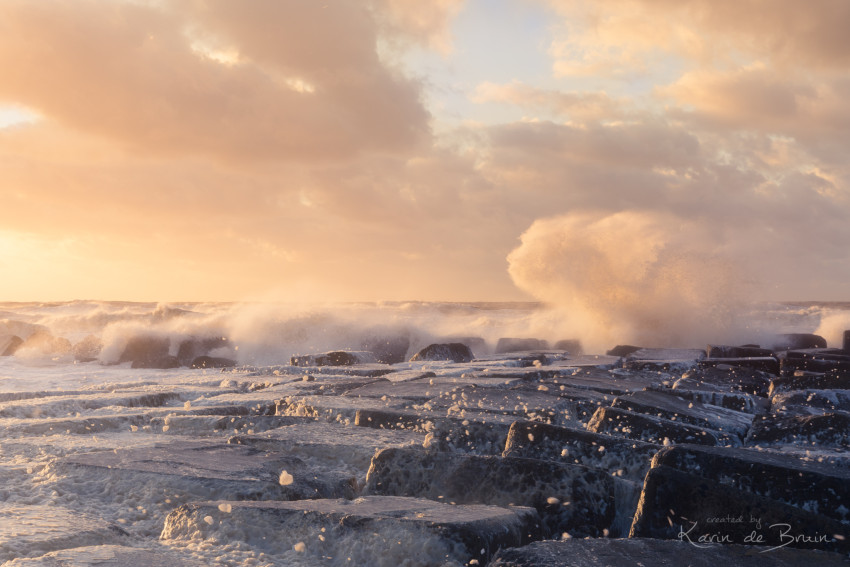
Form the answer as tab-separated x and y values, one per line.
201	146
307	82
627	37
639	277
582	106
423	22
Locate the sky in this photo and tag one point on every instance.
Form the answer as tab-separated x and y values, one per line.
455	150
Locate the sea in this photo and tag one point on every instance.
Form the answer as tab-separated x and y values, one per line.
69	371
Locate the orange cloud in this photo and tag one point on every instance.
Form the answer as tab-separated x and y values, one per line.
199	150
129	72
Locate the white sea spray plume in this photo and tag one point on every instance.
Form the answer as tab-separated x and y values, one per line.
640	277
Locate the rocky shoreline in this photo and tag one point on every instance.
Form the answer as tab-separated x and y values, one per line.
524	457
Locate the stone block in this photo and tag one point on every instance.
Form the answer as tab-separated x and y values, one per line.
804	380
452	352
646	552
331	445
678	505
810	401
529	403
726	378
568	498
737	401
826	430
626	460
473	432
767	364
792	341
334	358
110	556
380	531
812	486
669	406
31	531
211	469
623	423
663	359
725	351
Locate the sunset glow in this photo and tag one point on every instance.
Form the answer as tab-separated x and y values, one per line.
399	149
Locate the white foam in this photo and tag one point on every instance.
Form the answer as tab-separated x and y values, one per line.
633	277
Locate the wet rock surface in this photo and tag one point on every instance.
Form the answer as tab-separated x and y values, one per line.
452	352
643	551
441	460
110	556
568	498
445	532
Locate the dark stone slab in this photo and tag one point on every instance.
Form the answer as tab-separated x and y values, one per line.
836	354
521	359
452	352
212	362
587	361
810	401
791	341
626	460
110	556
623	423
830	380
77	425
334	446
232	471
739	401
624	457
582	403
623	350
812	486
726	378
613	381
678	505
655	552
508	344
32	530
371	530
790	365
473	432
569	498
524	403
418	391
163	363
725	351
203	426
767	364
409	375
62	405
333	408
334	358
669	406
826	430
663	359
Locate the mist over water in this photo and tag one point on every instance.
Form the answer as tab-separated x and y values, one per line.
636	277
